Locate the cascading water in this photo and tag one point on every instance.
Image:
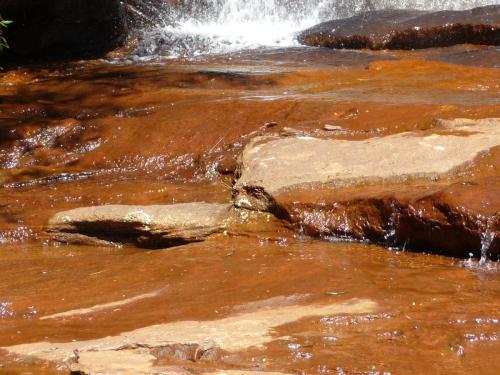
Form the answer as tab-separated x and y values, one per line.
487	239
193	27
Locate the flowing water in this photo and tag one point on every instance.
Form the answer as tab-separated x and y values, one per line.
215	26
95	132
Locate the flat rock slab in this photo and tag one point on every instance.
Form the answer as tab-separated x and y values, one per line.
298	178
155	226
407	29
269	166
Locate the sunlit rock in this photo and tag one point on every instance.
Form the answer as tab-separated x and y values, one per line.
154	226
271	165
407	29
301	179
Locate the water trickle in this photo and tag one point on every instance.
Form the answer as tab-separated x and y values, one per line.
487	238
219	26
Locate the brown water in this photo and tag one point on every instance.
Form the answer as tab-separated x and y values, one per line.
93	133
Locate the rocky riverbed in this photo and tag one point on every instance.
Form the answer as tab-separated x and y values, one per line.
267	211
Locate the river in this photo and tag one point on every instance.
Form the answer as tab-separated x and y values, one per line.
150	126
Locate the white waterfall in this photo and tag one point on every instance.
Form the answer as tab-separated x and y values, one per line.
216	26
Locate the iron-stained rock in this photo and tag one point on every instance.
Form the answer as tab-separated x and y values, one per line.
458	219
271	165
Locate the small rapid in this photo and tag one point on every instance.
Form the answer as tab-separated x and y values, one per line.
192	28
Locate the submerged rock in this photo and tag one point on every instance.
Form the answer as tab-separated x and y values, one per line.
140	350
155	226
407	29
301	179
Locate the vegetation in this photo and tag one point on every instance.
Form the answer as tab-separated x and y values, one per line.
3	41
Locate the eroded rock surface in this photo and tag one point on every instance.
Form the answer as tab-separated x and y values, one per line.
407	29
329	187
456	220
153	226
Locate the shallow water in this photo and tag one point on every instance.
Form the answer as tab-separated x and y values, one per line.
94	133
433	314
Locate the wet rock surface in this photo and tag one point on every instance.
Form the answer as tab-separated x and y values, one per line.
270	165
485	56
442	220
170	133
146	226
271	169
407	29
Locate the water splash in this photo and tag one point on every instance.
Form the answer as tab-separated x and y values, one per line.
487	238
198	27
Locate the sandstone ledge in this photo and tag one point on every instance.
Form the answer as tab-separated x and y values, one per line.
137	351
155	226
302	179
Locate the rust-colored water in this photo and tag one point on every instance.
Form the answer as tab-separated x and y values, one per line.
434	315
93	133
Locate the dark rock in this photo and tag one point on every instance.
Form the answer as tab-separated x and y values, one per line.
147	13
407	29
444	220
65	28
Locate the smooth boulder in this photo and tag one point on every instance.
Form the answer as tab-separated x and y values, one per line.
407	29
156	226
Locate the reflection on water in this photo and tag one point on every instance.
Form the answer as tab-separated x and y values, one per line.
425	304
